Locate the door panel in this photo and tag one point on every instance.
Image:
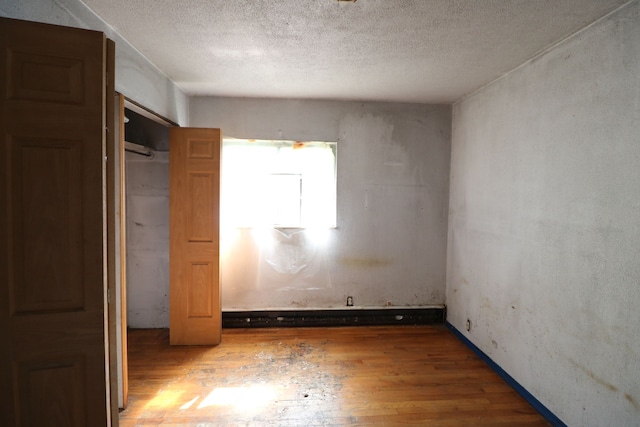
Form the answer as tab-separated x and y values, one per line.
44	78
195	314
47	190
201	194
53	391
52	94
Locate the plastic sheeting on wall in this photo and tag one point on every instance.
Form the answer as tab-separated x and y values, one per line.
292	259
273	259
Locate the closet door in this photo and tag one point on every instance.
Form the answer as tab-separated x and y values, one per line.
52	272
194	194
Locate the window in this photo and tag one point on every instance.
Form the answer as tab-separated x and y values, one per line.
278	183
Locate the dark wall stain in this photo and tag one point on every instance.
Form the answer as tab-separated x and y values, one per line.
632	401
365	262
594	376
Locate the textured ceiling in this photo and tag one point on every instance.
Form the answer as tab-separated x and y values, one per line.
428	51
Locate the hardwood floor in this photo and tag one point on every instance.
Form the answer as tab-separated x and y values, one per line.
398	375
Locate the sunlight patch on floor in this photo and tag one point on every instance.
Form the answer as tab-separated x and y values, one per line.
190	403
165	399
240	397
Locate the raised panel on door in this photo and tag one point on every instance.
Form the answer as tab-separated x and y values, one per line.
200	290
201	194
45	78
51	392
46	185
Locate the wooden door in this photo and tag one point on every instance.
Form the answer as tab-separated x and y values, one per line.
53	366
194	193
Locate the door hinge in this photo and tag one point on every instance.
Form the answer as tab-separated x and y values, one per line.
108	296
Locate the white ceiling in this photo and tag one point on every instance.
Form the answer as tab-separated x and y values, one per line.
427	51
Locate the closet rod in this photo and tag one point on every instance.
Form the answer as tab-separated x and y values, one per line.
138	149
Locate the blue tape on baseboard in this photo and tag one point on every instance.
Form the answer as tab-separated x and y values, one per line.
543	410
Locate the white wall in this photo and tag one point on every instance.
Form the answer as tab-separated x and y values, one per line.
147	240
136	77
393	179
544	223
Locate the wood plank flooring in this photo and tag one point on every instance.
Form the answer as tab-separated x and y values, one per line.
397	375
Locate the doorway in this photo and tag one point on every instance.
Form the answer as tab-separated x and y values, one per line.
142	238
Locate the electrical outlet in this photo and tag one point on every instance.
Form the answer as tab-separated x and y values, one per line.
349	301
468	325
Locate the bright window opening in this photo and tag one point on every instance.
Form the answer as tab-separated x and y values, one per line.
286	184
